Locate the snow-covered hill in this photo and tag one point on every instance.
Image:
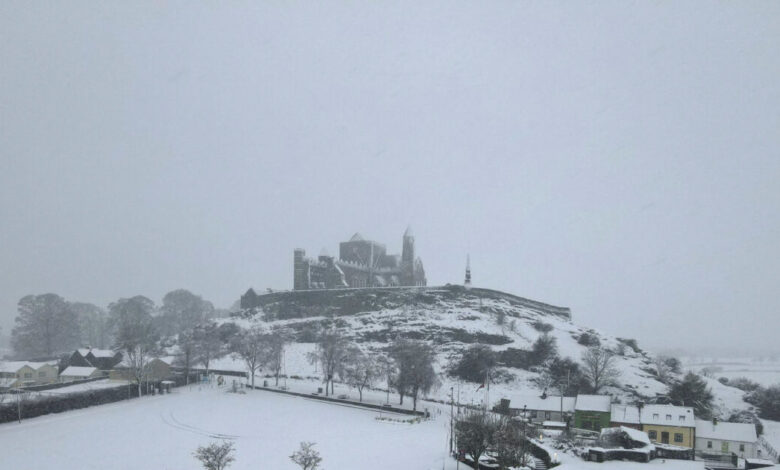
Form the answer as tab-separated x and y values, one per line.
451	318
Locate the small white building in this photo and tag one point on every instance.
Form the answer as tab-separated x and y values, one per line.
79	373
715	437
540	409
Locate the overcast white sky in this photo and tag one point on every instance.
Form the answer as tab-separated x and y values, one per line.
620	158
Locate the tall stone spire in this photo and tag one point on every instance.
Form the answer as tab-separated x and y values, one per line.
467	282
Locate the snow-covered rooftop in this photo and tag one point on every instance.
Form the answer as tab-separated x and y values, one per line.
535	402
668	415
594	403
75	371
739	432
628	414
102	352
96	352
13	366
633	434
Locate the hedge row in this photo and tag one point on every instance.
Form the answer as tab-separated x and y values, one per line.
40	406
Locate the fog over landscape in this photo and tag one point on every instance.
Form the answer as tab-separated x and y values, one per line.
621	159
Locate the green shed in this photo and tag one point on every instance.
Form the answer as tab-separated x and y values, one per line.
592	412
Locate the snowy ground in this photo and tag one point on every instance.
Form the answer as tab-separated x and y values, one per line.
161	432
265	427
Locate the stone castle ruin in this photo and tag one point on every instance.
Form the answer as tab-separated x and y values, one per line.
361	263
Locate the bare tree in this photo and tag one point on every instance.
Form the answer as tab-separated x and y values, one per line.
507	443
474	433
186	357
306	457
360	370
415	368
252	346
134	334
215	456
388	371
277	341
93	324
208	344
598	368
330	353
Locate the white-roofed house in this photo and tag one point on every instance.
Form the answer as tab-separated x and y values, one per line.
592	412
539	409
714	437
72	373
669	424
156	369
626	416
103	359
25	373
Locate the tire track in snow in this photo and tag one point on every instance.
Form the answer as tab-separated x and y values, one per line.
202	432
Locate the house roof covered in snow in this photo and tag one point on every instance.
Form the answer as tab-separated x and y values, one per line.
535	402
7	381
96	352
628	414
13	366
75	371
594	403
633	434
103	352
739	432
668	415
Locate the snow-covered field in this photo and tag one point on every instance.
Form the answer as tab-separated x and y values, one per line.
162	432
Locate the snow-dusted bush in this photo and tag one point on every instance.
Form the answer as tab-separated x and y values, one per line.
542	327
588	339
306	457
215	456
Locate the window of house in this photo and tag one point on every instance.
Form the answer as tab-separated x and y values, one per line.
655	415
742	447
682	418
546	415
709	444
652	435
28	375
678	437
41	374
668	417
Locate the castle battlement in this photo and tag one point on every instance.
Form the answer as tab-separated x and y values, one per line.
361	263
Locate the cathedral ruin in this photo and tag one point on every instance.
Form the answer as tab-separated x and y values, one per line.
361	263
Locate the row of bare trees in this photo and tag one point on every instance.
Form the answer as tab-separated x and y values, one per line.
261	348
407	366
47	324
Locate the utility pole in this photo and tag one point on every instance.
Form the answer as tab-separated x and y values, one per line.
522	458
452	409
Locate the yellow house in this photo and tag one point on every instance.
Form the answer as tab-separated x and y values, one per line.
22	373
669	425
